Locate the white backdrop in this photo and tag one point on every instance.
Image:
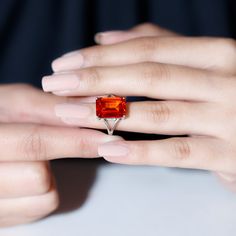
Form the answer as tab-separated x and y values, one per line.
115	200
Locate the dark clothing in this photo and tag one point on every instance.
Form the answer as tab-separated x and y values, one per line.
34	32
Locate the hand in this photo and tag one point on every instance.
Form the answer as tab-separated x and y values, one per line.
28	140
195	78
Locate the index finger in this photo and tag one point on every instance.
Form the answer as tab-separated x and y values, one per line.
37	142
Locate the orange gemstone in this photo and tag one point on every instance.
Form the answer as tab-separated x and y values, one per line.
111	107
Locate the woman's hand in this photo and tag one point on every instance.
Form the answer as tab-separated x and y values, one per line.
28	139
195	78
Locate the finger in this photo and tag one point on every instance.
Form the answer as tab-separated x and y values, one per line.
21	179
27	209
29	105
198	153
158	117
37	143
154	80
205	53
228	180
142	30
226	177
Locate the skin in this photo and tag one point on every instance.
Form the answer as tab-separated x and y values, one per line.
195	82
195	79
30	136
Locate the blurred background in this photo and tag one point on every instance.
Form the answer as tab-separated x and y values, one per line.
33	33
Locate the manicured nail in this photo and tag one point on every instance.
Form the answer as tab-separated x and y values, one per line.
72	110
227	177
61	93
112	138
109	33
71	61
60	82
98	37
69	54
113	149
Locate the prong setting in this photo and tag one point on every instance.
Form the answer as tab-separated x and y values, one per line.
111	109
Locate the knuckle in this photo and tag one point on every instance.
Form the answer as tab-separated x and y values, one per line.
151	74
93	56
91	77
84	147
159	112
41	178
181	149
33	145
163	72
147	46
148	71
147	75
149	27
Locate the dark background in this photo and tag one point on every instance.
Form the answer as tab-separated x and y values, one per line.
34	32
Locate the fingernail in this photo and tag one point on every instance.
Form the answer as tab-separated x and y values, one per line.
71	61
72	110
112	138
113	149
108	33
60	82
98	37
227	177
69	54
61	93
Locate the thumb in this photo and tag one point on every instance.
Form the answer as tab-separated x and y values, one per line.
142	30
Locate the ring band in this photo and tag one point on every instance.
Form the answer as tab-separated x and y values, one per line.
111	109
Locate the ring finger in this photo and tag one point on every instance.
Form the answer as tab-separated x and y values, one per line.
162	117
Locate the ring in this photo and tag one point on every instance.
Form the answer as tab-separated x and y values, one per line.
111	109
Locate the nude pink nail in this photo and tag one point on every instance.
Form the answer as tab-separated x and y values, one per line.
71	61
60	82
69	54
